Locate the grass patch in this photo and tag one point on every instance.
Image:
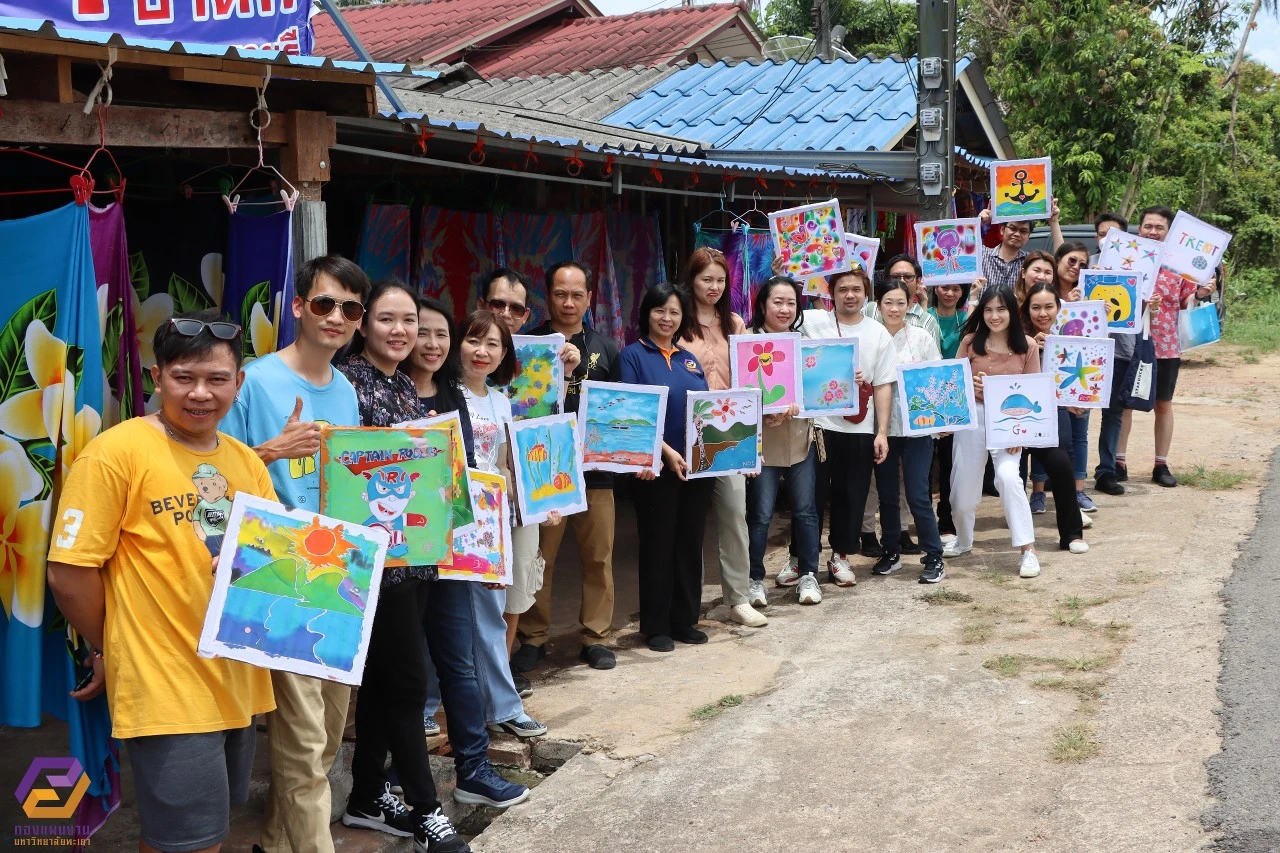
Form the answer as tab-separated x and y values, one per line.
1116	630
1253	318
976	632
1086	690
706	712
997	578
1209	361
1074	745
944	596
1212	479
1067	617
1250	357
1006	666
1081	664
1136	577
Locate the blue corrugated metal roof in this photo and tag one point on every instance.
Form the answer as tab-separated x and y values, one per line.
47	29
841	105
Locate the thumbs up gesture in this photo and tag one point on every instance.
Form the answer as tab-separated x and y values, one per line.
300	438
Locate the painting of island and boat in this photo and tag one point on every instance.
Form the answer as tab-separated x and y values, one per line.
621	426
723	432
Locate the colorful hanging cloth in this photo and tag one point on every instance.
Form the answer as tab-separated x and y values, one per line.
456	249
384	242
117	310
258	293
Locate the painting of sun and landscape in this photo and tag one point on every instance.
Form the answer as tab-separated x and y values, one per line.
620	426
723	433
936	396
548	467
294	591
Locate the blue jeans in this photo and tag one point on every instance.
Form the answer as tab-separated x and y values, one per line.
487	632
762	496
1080	444
1112	421
452	671
915	457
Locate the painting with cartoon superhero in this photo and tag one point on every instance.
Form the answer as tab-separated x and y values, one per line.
294	591
482	551
400	479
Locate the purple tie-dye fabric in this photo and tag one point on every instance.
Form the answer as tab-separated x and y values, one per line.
384	242
532	242
111	270
636	242
750	255
455	250
591	245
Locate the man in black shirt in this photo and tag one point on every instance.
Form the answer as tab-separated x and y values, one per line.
568	299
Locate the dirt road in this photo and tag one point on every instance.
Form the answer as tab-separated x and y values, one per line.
1071	712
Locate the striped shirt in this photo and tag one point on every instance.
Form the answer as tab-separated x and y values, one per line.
998	271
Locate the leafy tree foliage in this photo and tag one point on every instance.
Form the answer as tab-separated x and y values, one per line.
881	27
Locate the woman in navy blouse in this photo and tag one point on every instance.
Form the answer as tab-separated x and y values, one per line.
671	511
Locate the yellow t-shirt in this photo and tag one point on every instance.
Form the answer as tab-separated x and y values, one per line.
150	512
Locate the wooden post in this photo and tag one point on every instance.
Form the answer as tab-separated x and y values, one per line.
305	162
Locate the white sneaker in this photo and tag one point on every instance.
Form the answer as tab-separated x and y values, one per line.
1030	566
839	571
745	614
1079	546
756	596
1085	521
948	539
808	589
789	576
953	549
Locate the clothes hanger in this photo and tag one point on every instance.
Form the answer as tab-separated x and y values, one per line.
697	226
260	118
744	218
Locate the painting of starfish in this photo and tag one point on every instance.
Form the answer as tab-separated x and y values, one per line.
1082	369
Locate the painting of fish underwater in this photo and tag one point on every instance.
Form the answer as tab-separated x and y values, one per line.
936	396
397	478
294	591
539	386
548	467
1082	369
723	432
482	551
621	426
1021	411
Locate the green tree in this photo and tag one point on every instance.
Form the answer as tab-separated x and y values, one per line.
881	27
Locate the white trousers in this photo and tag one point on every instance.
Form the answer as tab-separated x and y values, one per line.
969	462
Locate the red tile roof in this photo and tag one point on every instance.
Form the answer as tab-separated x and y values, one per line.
435	30
643	38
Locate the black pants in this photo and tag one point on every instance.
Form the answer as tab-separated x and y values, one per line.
671	516
389	704
1062	482
942	449
850	458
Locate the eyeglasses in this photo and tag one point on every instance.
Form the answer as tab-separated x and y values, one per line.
1075	262
498	306
322	306
221	330
905	278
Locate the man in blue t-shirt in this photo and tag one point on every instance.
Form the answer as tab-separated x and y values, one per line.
285	398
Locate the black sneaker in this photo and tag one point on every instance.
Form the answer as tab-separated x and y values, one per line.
1122	473
887	565
523	687
526	657
692	636
870	547
1161	477
385	814
906	545
1107	483
661	643
598	657
933	570
434	834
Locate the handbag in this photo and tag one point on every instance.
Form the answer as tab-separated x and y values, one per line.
1198	327
864	394
1137	391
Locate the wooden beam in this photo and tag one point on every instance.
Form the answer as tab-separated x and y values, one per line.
40	123
218	78
305	160
65	92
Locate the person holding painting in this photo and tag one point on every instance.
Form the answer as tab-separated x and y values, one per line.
948	309
1071	259
706	335
568	300
393	689
671	510
996	345
789	453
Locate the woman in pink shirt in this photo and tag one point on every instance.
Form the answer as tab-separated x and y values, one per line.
707	337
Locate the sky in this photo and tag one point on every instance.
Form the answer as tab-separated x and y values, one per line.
1264	43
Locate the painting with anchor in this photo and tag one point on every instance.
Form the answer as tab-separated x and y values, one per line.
1021	189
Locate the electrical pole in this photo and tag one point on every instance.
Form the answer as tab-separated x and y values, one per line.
935	98
822	29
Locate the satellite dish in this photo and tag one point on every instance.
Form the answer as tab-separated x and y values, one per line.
783	48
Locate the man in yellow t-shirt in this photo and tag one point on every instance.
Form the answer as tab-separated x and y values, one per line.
131	571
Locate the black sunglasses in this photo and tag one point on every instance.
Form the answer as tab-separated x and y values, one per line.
322	306
497	306
220	329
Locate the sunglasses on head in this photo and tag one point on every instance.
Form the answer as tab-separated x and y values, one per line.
220	329
497	306
322	306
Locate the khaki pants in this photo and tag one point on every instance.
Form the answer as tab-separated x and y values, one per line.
594	531
730	506
305	732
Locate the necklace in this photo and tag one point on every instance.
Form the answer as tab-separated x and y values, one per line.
217	442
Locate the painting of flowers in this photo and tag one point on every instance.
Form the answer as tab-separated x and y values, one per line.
936	396
828	367
810	240
548	467
723	433
770	363
539	386
1082	369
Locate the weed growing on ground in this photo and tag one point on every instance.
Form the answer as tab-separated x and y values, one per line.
976	632
1074	744
1086	690
1068	617
1116	630
1215	479
944	596
1136	577
713	709
1081	664
997	578
1250	357
1006	666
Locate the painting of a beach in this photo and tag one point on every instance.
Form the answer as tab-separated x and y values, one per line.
621	426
